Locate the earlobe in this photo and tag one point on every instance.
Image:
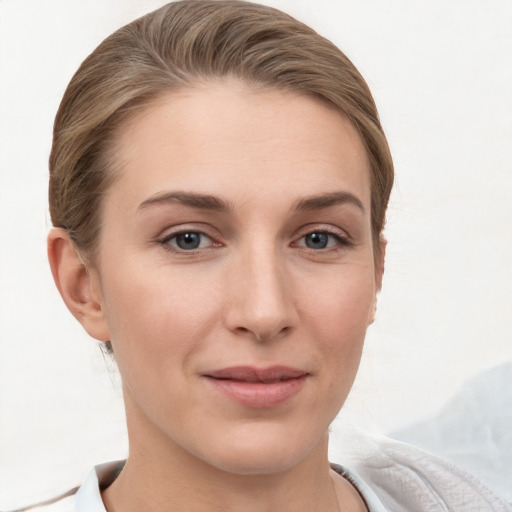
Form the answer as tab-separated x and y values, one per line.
77	284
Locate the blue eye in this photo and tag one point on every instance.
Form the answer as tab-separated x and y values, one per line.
188	241
322	240
317	240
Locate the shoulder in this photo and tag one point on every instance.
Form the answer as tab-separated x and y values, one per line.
407	478
389	475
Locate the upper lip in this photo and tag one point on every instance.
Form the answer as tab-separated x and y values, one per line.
253	374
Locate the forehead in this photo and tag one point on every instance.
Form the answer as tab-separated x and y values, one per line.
216	136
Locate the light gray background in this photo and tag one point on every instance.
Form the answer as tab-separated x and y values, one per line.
441	74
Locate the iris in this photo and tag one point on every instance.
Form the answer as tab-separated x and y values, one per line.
188	241
317	240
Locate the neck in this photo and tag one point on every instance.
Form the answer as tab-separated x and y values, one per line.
161	476
152	482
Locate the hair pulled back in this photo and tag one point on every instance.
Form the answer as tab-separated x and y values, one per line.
178	46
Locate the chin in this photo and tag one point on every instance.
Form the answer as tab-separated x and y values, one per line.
257	462
264	451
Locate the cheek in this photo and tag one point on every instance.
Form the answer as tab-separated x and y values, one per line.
342	306
155	315
337	320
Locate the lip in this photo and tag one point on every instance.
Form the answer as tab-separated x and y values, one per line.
258	387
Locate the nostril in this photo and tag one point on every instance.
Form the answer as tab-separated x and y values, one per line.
262	313
265	335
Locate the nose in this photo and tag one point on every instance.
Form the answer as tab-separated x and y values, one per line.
260	296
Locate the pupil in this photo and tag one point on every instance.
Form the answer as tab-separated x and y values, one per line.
188	240
317	240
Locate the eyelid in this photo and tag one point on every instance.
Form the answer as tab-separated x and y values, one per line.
188	227
172	236
181	229
344	239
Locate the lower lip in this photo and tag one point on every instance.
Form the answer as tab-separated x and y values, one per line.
257	394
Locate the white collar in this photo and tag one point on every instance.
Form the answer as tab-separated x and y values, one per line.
88	497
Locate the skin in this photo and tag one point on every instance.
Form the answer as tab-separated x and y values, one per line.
253	293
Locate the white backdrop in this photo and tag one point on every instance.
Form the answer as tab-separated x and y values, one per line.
441	74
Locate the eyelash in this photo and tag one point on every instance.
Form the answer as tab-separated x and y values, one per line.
341	241
165	241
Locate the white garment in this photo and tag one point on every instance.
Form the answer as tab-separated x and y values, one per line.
390	476
408	479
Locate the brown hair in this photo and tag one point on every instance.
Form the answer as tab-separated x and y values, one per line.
177	46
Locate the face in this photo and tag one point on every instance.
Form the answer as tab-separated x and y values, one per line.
236	274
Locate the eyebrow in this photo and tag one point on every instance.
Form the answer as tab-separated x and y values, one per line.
191	199
213	203
321	201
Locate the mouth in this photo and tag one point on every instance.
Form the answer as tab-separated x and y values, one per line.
258	387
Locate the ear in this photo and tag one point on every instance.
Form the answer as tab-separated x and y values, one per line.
379	273
78	285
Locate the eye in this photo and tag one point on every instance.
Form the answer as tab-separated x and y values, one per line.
318	240
188	241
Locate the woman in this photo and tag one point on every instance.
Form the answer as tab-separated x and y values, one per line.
218	187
